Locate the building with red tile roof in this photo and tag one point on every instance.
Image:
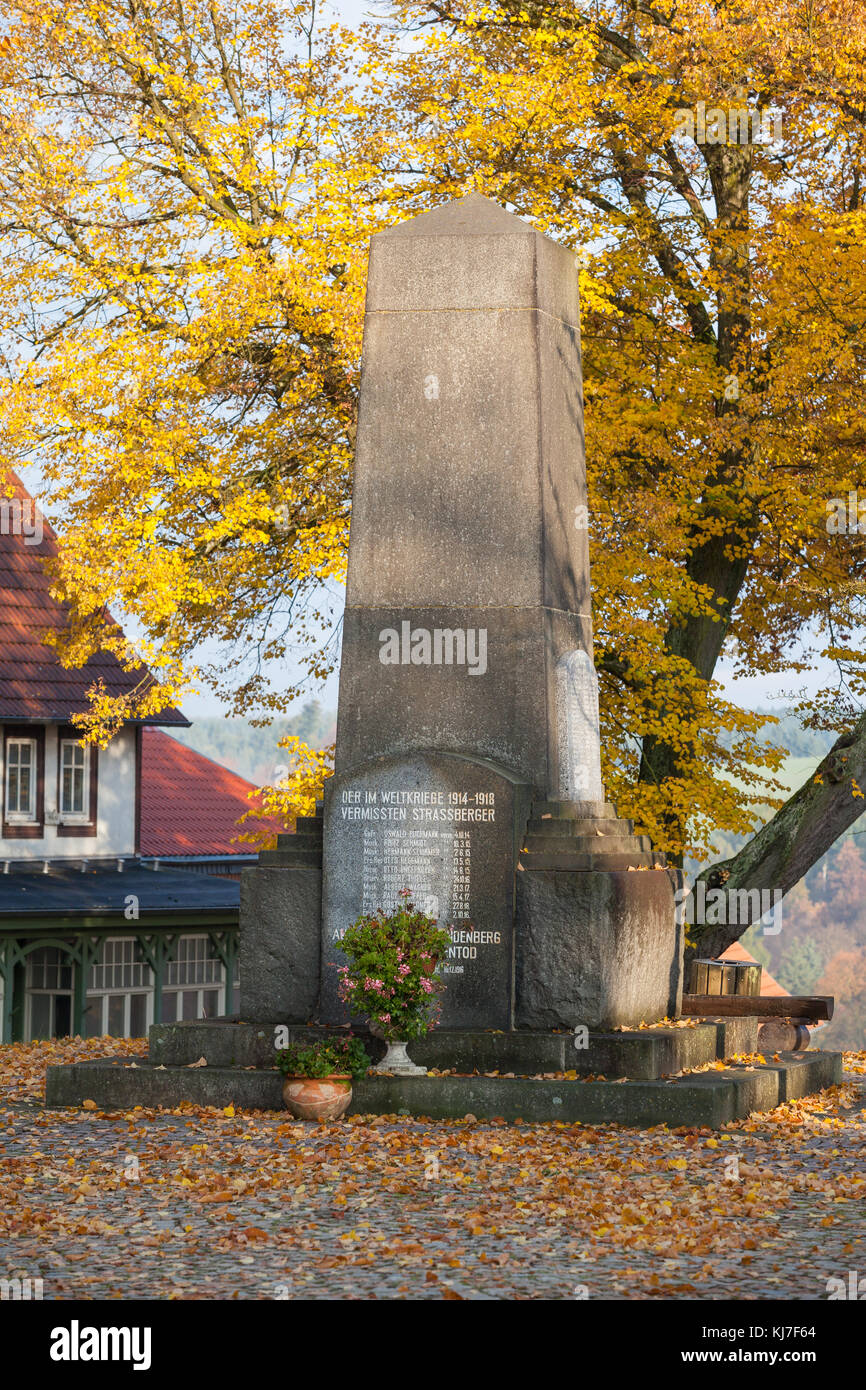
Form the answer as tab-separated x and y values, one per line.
33	683
103	926
190	805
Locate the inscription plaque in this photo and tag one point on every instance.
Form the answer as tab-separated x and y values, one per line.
443	828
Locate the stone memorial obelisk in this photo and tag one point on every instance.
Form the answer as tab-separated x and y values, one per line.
468	709
467	762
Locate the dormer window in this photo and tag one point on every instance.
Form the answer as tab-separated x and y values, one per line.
74	780
21	773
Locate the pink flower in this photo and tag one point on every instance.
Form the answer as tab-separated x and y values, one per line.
384	1018
426	986
402	970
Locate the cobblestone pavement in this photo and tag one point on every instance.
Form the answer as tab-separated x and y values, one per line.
212	1204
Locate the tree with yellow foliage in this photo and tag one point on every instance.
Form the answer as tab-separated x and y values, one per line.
186	196
705	160
185	211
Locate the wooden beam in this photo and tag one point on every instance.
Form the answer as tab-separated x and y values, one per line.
816	1006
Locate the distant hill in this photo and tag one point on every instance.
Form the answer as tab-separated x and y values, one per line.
789	733
252	752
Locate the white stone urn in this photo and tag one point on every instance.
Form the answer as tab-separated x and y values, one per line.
396	1061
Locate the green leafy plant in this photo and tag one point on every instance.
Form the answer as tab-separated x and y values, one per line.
329	1057
391	977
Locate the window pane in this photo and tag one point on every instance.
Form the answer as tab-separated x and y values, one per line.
168	1012
20	762
72	796
190	1003
117	1015
93	1018
210	1003
40	1015
62	1015
138	1016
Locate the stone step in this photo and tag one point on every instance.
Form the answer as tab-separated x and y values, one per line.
290	859
302	841
586	844
571	810
610	862
309	824
645	1053
706	1100
572	825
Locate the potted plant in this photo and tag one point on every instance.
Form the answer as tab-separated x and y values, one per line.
391	978
319	1076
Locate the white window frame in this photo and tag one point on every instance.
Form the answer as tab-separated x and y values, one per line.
19	817
75	817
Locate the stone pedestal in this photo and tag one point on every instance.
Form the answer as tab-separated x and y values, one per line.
596	948
598	944
280	925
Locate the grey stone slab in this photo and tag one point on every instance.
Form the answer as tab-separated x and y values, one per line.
708	1099
502	713
598	949
803	1073
735	1036
447	829
280	950
645	1054
552	825
705	1101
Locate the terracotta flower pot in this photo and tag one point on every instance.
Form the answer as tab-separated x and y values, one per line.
317	1098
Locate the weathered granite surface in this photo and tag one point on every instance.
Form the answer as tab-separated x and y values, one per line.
279	958
596	948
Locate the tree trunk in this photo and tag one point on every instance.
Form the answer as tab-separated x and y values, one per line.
800	832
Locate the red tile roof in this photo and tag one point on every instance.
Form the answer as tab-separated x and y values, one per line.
33	684
190	804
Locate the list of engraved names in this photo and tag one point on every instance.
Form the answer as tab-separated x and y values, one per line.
422	840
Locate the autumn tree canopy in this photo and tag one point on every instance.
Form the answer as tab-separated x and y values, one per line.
186	196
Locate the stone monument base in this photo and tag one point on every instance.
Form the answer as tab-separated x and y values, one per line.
598	940
637	1079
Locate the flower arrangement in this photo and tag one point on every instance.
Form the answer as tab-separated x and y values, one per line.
391	977
345	1056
